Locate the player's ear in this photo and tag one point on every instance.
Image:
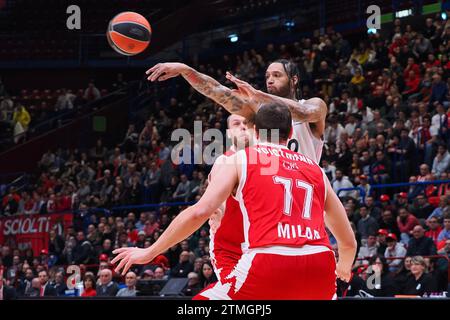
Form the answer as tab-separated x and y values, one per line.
295	80
228	134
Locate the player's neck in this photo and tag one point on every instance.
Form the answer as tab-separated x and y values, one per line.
291	97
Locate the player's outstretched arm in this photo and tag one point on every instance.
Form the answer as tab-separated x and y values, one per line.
230	99
313	110
187	222
337	222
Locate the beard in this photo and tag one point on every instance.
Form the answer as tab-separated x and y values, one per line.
282	92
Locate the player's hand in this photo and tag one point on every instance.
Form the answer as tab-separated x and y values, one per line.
244	88
164	71
345	274
253	96
130	256
215	219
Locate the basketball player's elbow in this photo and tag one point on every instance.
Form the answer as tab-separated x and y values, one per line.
348	243
202	211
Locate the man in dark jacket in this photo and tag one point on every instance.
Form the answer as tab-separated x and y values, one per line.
83	250
46	289
107	287
419	245
6	293
182	269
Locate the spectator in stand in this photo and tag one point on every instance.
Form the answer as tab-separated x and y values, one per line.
89	286
182	190
403	273
130	290
10	203
107	287
419	282
6	292
394	250
148	134
207	276
35	289
381	240
194	286
366	225
45	290
60	284
374	211
386	285
442	160
421	209
439	91
389	223
406	223
419	244
21	119
151	225
159	274
435	229
329	170
164	151
342	182
184	266
141	223
91	93
367	250
442	209
445	233
65	100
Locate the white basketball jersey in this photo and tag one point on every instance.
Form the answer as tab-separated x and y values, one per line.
303	141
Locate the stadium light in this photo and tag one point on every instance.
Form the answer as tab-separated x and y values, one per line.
444	15
233	37
371	31
403	13
289	24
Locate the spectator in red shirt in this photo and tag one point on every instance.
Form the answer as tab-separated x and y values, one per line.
406	223
411	66
431	62
397	42
412	84
435	229
89	286
10	203
151	225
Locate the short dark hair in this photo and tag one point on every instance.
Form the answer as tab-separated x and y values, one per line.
271	116
383	260
43	271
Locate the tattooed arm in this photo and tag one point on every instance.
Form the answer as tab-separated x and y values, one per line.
231	100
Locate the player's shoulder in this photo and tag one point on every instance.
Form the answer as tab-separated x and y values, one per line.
226	158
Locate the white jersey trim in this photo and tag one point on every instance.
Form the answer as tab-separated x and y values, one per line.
242	268
242	156
291	251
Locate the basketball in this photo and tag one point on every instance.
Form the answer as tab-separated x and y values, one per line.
129	33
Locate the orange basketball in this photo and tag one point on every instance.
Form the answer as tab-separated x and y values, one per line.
129	33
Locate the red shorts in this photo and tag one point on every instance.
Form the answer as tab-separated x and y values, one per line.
278	273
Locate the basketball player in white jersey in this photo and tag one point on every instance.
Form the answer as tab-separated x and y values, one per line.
282	79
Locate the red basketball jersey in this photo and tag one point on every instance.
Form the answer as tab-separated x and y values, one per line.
282	198
226	242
